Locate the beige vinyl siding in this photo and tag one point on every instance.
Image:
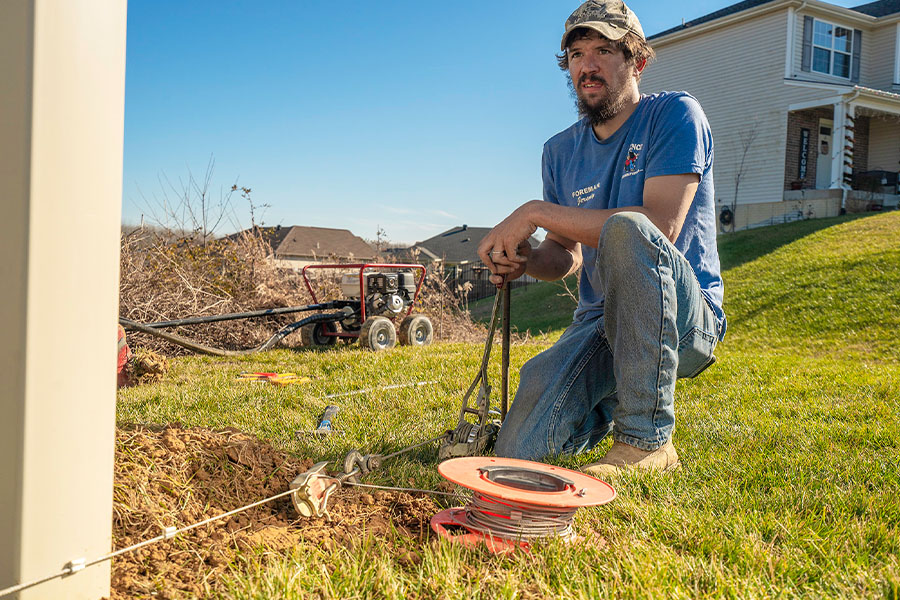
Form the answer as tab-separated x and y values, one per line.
879	54
737	74
884	144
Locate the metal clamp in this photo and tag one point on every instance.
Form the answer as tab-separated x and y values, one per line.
312	489
357	466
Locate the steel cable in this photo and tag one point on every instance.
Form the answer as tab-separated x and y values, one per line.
169	532
519	520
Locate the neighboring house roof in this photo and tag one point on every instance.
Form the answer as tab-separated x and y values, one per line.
879	9
457	245
873	9
319	242
728	10
273	235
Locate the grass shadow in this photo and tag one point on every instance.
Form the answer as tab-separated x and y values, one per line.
744	246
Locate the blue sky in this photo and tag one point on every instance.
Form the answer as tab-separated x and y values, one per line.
412	116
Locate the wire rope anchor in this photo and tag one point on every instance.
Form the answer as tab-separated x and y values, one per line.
474	434
312	489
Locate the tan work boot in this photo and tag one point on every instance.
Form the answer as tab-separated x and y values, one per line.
622	456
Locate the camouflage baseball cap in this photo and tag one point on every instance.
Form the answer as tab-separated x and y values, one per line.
610	18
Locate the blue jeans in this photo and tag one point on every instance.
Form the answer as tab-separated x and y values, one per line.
617	372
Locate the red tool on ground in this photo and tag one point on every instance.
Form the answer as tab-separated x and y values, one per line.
275	378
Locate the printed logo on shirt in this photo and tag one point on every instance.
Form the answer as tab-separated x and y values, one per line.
585	194
634	152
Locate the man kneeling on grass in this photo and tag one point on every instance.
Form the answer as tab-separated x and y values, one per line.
628	200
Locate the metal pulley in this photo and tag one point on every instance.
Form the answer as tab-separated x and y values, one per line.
312	490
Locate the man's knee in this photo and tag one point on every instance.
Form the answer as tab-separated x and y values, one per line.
621	229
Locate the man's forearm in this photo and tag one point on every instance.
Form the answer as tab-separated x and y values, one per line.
666	201
551	261
582	225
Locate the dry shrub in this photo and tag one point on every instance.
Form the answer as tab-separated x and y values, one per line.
164	276
445	307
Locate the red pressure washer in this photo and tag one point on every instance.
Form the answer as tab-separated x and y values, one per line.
374	299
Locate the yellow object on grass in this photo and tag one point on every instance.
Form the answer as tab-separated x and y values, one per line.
276	378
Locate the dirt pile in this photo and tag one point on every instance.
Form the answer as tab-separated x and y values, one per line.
177	477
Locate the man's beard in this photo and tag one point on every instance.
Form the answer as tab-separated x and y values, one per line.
604	108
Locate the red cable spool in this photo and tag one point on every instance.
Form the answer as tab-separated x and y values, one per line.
515	501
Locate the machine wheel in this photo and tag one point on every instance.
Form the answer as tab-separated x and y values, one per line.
313	335
377	334
416	330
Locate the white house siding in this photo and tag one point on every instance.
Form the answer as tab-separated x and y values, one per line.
878	59
295	264
884	145
755	98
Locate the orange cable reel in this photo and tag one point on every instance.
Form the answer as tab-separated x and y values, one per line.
515	502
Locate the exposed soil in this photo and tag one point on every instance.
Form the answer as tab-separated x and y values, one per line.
176	477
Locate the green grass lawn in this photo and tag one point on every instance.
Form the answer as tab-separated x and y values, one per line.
538	308
791	478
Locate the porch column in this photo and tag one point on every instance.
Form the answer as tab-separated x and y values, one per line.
61	131
840	143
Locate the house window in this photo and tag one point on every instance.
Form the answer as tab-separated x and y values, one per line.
832	46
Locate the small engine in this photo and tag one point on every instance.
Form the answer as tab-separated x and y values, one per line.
389	293
386	293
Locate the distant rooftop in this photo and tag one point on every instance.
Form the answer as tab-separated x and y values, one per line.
320	242
880	8
875	9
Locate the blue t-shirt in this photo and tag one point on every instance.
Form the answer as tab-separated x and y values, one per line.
667	134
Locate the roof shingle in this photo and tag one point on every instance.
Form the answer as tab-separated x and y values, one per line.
319	242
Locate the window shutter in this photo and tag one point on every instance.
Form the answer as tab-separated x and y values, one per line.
806	59
854	63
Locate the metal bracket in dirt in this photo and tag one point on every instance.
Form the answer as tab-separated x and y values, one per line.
472	438
312	490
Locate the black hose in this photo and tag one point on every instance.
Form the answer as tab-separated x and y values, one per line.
204	349
248	315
